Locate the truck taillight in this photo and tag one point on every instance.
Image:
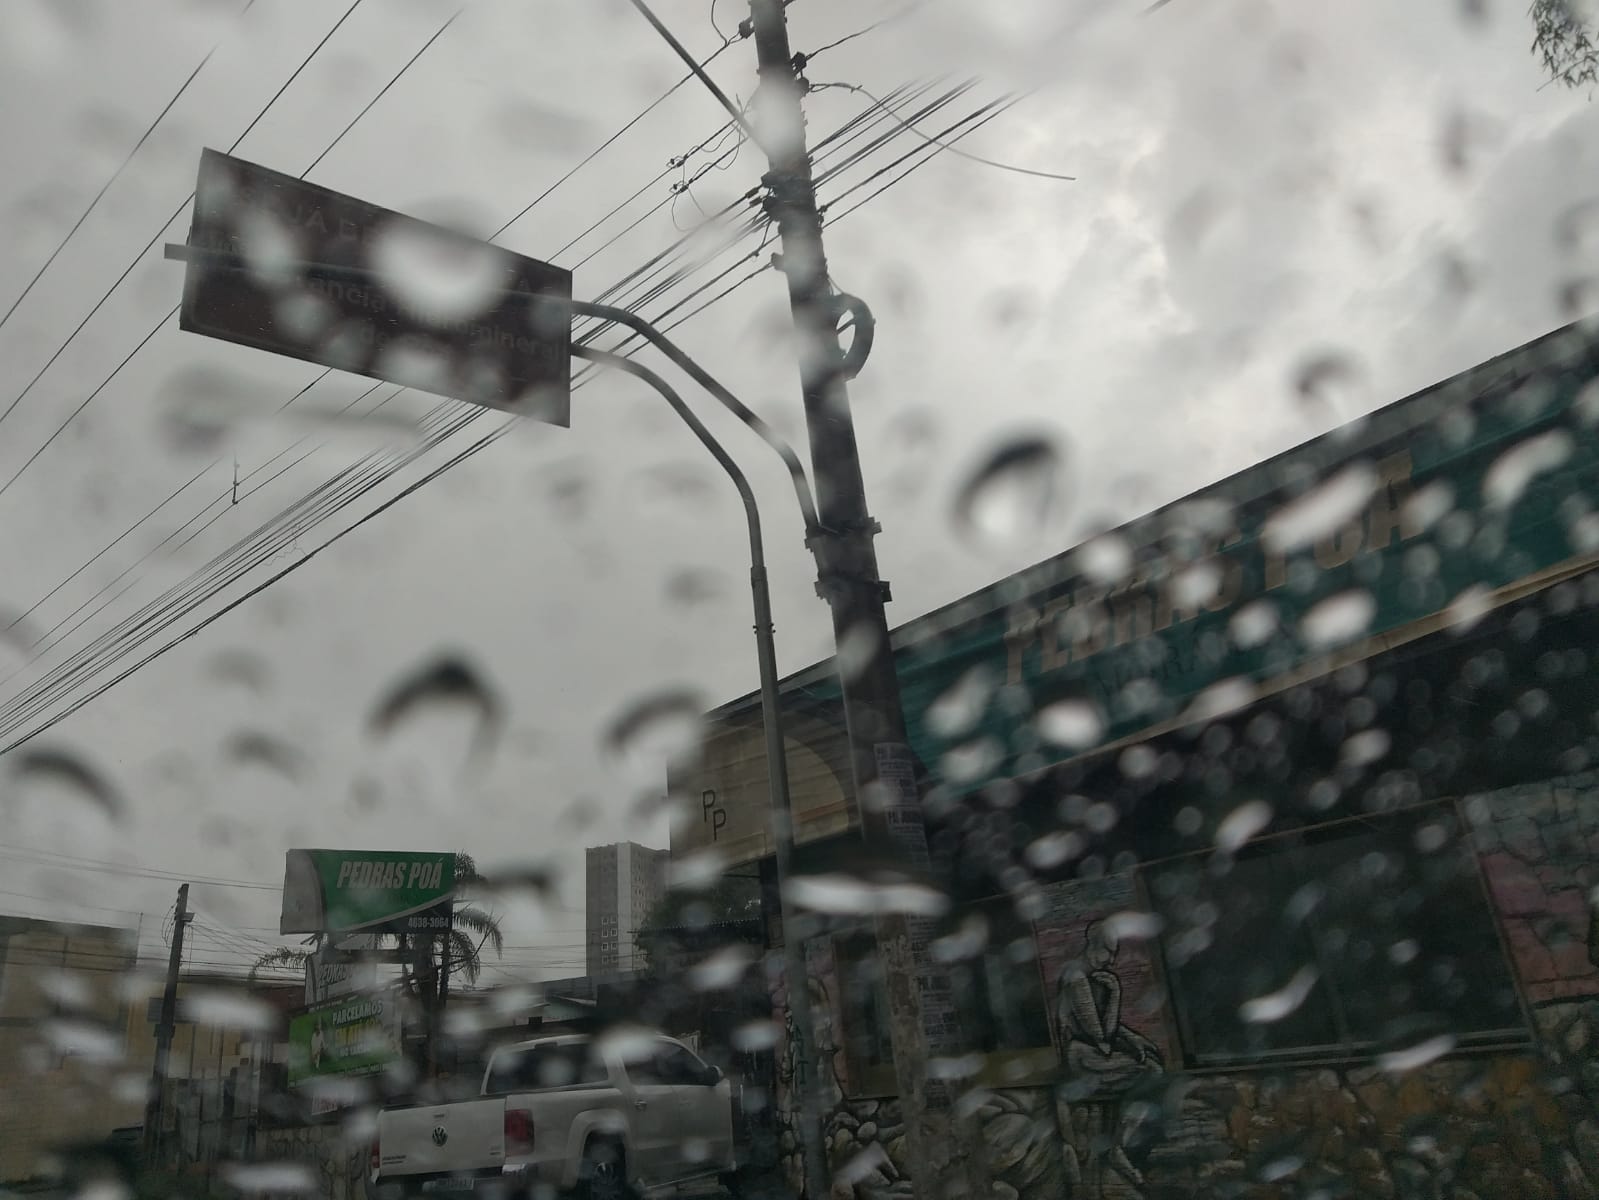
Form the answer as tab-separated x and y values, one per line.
518	1131
377	1154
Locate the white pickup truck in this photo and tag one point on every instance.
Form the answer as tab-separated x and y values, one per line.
605	1118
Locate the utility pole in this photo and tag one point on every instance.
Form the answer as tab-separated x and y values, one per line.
155	1104
921	1016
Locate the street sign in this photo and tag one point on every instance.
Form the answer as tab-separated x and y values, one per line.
389	891
286	266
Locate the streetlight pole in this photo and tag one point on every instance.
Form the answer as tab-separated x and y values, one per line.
817	1175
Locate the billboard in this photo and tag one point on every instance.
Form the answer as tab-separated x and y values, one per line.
387	891
345	1038
300	270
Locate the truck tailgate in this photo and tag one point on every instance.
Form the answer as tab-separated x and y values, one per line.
441	1139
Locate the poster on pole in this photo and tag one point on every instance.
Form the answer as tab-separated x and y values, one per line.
372	891
283	265
344	1038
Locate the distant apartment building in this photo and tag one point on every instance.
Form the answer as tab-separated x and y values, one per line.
623	883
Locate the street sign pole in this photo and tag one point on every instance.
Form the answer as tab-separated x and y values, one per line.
817	1174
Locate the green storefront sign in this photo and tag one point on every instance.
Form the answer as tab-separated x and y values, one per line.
1447	502
354	1036
390	891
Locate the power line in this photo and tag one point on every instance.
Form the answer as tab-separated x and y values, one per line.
714	299
105	866
117	174
598	150
977	158
991	112
382	91
164	225
523	212
482	443
850	37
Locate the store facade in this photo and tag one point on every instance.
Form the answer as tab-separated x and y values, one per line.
1268	825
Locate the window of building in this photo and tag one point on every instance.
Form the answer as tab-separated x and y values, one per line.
1363	937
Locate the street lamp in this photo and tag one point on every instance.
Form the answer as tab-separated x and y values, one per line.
816	1170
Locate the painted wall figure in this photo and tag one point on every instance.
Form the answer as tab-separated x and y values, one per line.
1102	1059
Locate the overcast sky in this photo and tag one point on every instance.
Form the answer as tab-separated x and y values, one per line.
1258	185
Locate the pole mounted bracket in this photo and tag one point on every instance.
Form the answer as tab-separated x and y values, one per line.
865	327
832	586
837	577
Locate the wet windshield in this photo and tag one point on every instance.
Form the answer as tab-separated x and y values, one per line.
869	598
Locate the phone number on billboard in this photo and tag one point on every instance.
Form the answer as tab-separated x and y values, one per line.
428	923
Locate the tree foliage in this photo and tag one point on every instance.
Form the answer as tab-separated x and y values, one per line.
730	899
1564	38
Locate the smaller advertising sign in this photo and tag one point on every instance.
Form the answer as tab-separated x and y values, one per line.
330	977
389	891
344	1038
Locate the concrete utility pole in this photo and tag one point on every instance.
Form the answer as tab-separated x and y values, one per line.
155	1104
921	1012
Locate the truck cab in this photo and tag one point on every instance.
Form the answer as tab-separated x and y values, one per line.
603	1117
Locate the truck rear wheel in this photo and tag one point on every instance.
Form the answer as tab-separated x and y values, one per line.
602	1175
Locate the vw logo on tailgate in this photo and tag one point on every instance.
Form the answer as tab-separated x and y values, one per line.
439	1135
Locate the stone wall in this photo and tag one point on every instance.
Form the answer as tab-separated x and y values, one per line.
337	1161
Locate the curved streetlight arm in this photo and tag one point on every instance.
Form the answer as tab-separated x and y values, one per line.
791	460
776	766
752	514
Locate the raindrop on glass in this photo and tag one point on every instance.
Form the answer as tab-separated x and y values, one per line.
1321	512
755	1036
961	707
1326	386
1338	619
655	733
1075	724
1515	469
1243	823
55	800
721	970
445	688
1053	849
438	276
1107	558
1397	1062
271	1178
1365	747
1253	624
1276	1005
1010	501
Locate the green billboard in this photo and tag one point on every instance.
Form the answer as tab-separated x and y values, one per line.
388	891
352	1036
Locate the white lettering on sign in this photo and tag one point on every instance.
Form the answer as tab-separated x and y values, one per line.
365	875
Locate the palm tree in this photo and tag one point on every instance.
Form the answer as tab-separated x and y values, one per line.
1567	42
427	961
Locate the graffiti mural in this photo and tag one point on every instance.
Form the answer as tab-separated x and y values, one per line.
1539	849
1107	1016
